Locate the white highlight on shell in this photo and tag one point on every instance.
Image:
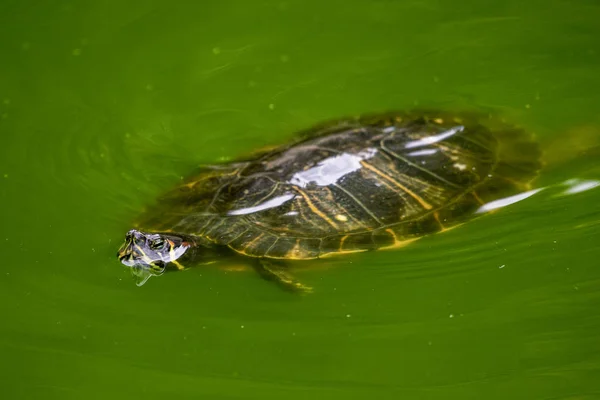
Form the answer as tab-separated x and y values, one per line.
435	138
492	205
332	169
274	202
424	152
460	166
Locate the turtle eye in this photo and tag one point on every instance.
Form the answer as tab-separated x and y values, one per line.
157	244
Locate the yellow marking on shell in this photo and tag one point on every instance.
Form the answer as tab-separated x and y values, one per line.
316	210
415	196
388	186
341	218
391	232
271	246
399	244
342	240
476	196
265	198
438	120
247	245
301	212
210	239
446	229
215	226
294	251
253	241
436	215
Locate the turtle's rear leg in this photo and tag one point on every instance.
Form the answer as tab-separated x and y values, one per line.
278	272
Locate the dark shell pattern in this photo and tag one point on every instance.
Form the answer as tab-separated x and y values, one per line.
354	185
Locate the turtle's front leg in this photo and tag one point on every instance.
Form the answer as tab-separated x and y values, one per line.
277	272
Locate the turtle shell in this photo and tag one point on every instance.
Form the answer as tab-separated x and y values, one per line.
354	184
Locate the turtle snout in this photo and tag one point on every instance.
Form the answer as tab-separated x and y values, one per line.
126	252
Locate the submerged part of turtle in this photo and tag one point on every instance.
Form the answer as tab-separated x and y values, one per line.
350	185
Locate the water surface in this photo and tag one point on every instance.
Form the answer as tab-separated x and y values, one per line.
103	106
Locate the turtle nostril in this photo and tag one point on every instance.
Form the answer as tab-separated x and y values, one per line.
132	233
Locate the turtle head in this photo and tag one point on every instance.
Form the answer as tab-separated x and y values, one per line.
150	254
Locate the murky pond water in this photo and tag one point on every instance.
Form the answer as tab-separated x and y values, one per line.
105	106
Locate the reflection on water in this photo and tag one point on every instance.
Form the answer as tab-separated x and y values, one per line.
574	186
578	185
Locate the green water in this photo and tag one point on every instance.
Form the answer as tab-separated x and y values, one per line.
104	105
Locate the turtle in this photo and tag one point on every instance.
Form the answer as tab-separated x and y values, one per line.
370	182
